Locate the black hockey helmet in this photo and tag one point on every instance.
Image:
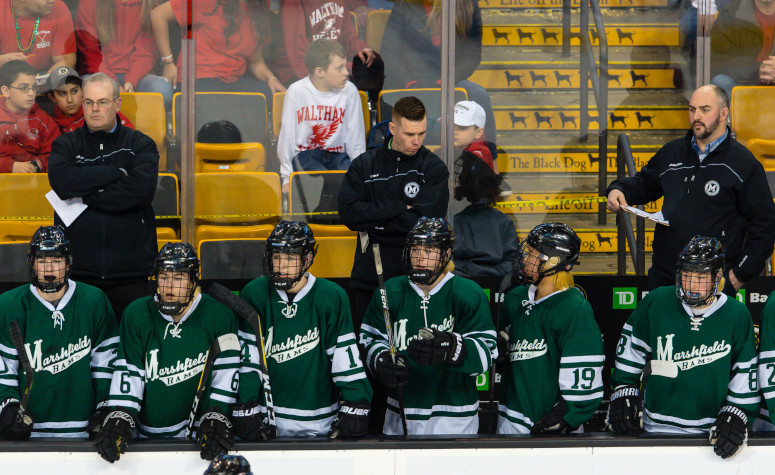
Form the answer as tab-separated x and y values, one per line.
550	240
225	464
176	257
49	241
431	232
289	237
702	255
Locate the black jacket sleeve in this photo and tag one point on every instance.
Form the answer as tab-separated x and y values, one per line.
357	208
758	209
135	189
71	181
644	187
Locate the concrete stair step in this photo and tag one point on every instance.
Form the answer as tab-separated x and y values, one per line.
520	162
575	202
532	78
549	4
596	240
551	35
625	56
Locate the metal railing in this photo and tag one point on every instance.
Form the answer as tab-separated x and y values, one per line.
636	240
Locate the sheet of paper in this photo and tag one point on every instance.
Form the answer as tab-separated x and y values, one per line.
68	210
657	217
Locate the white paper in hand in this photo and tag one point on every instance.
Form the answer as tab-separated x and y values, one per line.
656	217
68	210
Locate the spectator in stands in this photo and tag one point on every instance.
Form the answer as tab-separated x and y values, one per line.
228	36
305	21
711	185
486	238
742	45
411	48
64	87
36	31
114	170
383	194
322	125
115	37
26	132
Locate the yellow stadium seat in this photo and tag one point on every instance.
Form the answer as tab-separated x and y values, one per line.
316	192
239	204
23	205
13	262
223	157
246	110
277	113
752	115
166	234
147	113
375	28
335	256
231	258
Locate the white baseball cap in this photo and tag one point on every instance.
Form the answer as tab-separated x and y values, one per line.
469	113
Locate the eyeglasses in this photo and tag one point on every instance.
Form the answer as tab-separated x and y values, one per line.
100	104
25	89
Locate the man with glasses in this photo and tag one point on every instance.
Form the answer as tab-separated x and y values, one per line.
113	170
26	132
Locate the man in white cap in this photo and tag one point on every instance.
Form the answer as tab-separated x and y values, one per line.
64	87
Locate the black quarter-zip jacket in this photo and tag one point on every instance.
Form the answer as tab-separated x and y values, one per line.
726	197
115	238
373	197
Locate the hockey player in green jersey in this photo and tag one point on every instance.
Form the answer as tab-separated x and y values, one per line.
318	382
552	373
71	337
164	345
443	334
766	371
696	346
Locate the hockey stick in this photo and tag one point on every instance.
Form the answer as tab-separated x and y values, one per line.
246	311
29	374
389	329
492	405
668	369
225	342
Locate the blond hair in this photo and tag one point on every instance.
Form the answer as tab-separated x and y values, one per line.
561	280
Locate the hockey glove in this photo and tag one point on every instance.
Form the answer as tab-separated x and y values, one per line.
553	421
95	421
115	435
352	420
249	423
390	374
436	347
214	435
503	348
729	433
15	424
623	412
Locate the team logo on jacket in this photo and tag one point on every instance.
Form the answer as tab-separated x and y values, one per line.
411	189
173	374
696	356
60	360
33	134
712	188
291	347
527	350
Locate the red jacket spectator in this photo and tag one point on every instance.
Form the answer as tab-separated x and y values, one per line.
68	124
55	36
307	20
25	136
132	52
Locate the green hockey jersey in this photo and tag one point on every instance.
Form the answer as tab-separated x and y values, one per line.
555	350
714	355
311	352
159	364
71	349
438	399
767	358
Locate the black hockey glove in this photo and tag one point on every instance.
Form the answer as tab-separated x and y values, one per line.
729	433
248	422
553	421
392	375
15	424
623	412
215	435
436	347
503	348
115	435
352	420
95	421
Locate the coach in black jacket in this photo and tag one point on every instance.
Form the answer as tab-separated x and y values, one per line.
383	194
115	170
724	195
